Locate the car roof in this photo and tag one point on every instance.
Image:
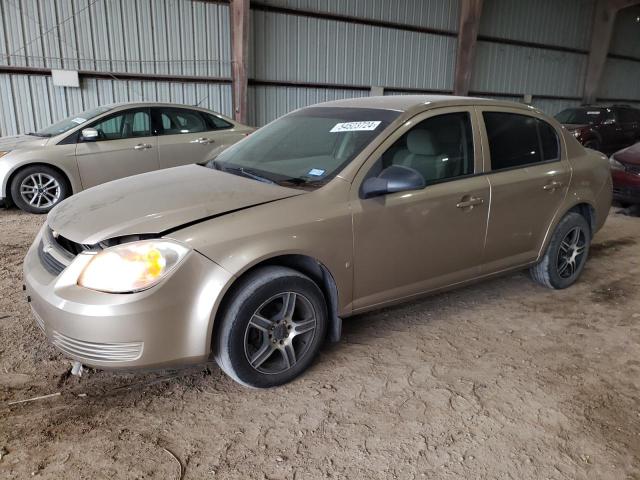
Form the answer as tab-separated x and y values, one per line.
404	103
153	104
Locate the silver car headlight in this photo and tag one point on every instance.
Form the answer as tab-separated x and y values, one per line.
132	267
616	165
3	153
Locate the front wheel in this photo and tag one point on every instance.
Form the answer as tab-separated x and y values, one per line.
37	189
566	253
272	327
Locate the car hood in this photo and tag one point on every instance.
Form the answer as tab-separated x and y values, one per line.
21	141
156	202
630	155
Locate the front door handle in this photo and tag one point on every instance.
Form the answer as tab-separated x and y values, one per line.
470	202
202	141
142	146
552	186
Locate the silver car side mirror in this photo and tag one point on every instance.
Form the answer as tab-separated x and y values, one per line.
90	134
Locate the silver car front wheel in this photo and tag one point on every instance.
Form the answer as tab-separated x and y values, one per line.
38	188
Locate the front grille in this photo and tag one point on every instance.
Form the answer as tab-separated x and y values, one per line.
102	352
51	265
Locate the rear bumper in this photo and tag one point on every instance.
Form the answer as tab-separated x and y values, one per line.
168	324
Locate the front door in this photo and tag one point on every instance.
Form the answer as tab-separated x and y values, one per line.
529	179
411	242
125	147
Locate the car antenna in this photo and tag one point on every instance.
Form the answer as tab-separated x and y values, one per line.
198	104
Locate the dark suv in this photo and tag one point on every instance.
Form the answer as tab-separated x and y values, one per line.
606	129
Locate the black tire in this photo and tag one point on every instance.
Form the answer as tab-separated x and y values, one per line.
237	338
552	270
54	193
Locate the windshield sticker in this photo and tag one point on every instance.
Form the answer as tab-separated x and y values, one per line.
79	120
316	172
355	126
593	113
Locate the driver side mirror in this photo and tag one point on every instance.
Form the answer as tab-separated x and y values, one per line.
89	134
395	178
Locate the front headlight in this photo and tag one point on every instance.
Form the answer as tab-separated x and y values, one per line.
615	164
132	267
3	153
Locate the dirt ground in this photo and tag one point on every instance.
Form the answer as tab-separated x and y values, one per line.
501	380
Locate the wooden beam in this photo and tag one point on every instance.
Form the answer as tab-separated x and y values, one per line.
239	10
603	23
468	25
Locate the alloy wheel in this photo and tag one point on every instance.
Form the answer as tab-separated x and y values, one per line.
571	252
280	333
40	190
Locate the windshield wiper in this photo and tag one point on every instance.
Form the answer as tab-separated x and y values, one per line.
245	172
36	134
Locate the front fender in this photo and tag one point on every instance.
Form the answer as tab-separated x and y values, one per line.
61	157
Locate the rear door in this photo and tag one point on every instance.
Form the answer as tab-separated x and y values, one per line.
529	176
125	147
190	136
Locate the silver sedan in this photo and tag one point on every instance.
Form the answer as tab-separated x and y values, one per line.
40	169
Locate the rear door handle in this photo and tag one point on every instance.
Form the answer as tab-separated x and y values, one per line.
470	203
142	146
202	141
552	186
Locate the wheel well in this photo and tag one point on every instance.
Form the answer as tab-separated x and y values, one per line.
9	198
588	212
310	267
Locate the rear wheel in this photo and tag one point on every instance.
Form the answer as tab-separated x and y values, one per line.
566	253
37	189
272	328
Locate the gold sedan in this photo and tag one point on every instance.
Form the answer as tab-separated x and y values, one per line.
255	256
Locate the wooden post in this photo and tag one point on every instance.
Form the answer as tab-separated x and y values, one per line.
603	23
469	23
239	19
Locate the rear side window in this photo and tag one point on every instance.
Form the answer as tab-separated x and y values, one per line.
216	123
176	121
519	140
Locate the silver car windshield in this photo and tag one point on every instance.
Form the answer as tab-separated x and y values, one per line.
71	122
305	148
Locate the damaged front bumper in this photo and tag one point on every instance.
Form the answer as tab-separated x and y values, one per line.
168	324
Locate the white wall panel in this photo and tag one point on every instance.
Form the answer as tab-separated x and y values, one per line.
31	102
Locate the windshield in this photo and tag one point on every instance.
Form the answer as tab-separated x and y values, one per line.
305	148
580	115
70	122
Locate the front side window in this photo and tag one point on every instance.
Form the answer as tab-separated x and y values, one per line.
127	124
176	121
439	148
519	140
305	148
71	122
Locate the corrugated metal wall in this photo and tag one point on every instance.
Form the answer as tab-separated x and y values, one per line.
296	56
175	37
440	14
287	47
31	102
521	70
621	78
